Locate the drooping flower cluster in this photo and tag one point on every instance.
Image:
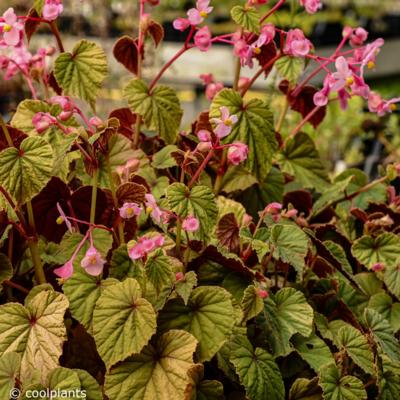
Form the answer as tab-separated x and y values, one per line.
145	245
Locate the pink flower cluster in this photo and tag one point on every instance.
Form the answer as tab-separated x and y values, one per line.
52	9
42	121
274	209
311	6
246	51
297	45
11	29
348	79
195	16
145	245
212	87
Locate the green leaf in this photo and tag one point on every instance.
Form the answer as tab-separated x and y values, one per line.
25	172
83	291
290	68
336	387
383	334
123	322
391	277
252	304
209	316
36	331
89	385
163	158
122	266
26	110
339	254
198	201
254	128
383	304
247	17
200	389
160	109
9	370
300	159
237	178
356	346
290	244
6	269
184	287
313	351
389	386
286	313
159	372
305	389
258	373
38	6
82	72
159	271
384	248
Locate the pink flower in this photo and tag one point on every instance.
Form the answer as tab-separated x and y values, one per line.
204	146
381	107
368	55
311	6
225	123
358	37
65	271
129	210
213	89
207	78
11	28
266	36
237	153
18	61
137	251
145	245
204	135
190	224
359	87
52	9
196	15
42	121
343	76
93	263
63	218
273	208
66	104
181	24
152	207
296	43
262	293
179	276
202	38
378	267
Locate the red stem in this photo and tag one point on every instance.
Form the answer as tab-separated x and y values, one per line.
201	168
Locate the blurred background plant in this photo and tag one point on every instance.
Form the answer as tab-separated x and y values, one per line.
345	139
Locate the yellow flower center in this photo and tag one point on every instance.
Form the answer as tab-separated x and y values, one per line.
7	28
203	14
349	81
59	220
393	107
256	50
93	260
371	65
149	210
129	212
228	122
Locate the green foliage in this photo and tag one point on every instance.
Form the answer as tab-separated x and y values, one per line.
254	128
82	72
247	17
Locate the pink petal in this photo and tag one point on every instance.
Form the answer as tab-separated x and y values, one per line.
10	17
194	17
12	37
223	130
224	113
65	271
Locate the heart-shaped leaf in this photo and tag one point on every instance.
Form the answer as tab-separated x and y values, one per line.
209	316
123	322
25	172
254	128
9	370
247	17
82	72
159	108
35	331
159	372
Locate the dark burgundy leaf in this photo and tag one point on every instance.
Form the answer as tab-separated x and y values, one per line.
268	52
31	25
53	83
125	52
156	32
126	118
300	199
131	193
17	137
228	232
